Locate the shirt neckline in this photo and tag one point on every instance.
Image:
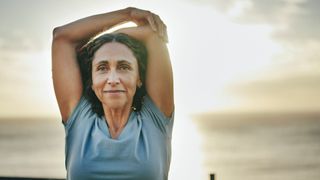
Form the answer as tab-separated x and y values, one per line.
123	132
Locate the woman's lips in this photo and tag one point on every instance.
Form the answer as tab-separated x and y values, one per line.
114	91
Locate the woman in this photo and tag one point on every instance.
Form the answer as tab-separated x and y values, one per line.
115	95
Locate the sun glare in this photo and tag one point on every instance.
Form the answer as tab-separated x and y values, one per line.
210	52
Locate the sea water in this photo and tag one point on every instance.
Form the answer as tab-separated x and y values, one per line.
32	148
235	146
277	146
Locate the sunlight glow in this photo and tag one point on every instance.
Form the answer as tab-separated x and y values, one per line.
187	157
28	86
210	52
239	7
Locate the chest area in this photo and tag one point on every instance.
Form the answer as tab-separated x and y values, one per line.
139	154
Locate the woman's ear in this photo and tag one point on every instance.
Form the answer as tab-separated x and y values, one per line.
139	83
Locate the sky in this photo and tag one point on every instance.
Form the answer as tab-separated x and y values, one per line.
227	55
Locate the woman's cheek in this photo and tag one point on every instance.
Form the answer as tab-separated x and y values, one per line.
99	80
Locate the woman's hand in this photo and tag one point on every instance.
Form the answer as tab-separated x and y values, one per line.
143	17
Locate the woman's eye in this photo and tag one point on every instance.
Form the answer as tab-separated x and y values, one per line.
124	67
102	68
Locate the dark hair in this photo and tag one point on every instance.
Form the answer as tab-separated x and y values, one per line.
85	57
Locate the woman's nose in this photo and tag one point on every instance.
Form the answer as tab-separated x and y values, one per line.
113	78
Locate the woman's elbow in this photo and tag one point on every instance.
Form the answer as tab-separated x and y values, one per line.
56	33
59	33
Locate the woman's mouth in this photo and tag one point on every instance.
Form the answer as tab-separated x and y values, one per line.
114	91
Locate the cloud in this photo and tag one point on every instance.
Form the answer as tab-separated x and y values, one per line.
295	20
292	80
22	25
303	26
28	25
303	58
19	41
299	92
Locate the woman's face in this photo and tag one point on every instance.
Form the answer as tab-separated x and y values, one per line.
115	75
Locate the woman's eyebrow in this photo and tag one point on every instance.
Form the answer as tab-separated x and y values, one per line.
124	62
119	62
103	62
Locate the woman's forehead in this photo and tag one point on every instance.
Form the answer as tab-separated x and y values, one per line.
114	51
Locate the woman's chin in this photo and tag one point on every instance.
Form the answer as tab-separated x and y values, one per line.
116	104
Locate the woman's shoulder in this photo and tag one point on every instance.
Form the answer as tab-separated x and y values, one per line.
152	114
82	110
149	105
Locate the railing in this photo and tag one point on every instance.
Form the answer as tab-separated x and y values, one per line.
212	176
25	178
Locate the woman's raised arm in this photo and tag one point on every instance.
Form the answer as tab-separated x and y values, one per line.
159	77
66	39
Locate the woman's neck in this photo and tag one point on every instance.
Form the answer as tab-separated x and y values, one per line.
116	120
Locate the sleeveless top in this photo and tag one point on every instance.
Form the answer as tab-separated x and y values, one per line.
141	152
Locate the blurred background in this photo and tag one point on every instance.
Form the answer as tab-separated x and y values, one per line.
246	77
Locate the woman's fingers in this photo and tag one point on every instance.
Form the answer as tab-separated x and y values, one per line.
156	24
161	27
159	24
139	15
152	23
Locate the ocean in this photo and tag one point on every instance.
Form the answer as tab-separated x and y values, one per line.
274	146
234	146
32	148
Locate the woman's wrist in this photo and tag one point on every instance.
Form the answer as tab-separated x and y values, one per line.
126	12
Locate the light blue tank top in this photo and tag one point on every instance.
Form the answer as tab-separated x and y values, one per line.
141	152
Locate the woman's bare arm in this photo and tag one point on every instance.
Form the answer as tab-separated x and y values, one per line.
159	77
66	39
